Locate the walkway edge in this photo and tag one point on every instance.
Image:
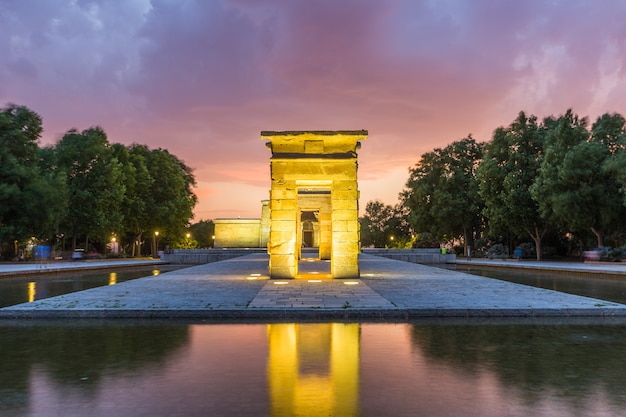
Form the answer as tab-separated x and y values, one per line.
322	314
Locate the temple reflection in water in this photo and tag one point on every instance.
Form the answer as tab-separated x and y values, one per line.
313	369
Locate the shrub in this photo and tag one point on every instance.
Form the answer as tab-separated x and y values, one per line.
497	251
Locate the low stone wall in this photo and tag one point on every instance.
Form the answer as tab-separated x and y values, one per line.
205	256
417	256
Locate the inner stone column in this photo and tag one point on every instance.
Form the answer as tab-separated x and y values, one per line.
346	244
306	165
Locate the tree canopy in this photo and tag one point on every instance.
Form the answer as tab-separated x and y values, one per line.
557	180
31	194
384	226
441	194
505	175
86	190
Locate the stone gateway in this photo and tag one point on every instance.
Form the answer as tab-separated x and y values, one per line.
314	200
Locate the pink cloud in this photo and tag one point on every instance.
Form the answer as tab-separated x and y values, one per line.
202	79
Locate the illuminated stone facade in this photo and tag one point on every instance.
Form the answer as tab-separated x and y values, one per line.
243	233
314	200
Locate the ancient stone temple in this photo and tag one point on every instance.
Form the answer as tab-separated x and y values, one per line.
314	200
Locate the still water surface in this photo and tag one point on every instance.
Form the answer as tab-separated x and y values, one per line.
602	286
467	369
27	288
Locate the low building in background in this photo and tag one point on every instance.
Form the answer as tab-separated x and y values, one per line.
243	233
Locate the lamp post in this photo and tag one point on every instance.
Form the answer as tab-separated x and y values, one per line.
155	244
114	246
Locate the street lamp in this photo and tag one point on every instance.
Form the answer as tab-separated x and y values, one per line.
155	244
113	246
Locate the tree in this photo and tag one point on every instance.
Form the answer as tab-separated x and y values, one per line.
383	225
138	184
508	170
611	130
203	233
53	192
95	185
160	198
30	195
172	195
442	192
572	189
615	166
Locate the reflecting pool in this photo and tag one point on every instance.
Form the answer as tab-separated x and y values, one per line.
602	286
28	288
440	368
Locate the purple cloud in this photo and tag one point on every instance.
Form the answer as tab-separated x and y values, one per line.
203	78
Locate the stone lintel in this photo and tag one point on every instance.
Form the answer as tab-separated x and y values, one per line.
361	133
320	143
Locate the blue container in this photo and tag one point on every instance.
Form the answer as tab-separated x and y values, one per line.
42	252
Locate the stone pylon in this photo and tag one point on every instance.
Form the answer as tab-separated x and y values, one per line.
314	199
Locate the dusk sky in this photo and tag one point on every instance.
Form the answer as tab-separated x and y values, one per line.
203	78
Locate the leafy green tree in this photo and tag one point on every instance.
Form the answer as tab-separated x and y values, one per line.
138	183
95	185
53	192
30	195
571	188
203	232
442	192
420	190
611	129
615	165
383	225
161	197
172	195
508	170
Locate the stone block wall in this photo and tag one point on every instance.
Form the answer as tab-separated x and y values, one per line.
237	233
203	256
417	256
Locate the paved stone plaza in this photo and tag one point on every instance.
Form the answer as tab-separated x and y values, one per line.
387	289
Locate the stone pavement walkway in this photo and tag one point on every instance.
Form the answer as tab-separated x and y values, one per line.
317	294
388	289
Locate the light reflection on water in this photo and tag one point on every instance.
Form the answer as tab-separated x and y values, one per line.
309	369
22	289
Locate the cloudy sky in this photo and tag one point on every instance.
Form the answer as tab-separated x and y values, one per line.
202	78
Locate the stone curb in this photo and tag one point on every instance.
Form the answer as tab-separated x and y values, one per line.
60	268
307	313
